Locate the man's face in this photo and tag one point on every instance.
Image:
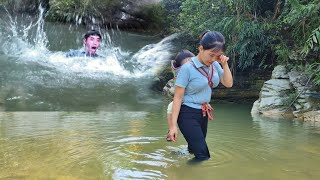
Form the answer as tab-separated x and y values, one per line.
92	43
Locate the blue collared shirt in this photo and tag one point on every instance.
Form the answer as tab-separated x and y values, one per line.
197	90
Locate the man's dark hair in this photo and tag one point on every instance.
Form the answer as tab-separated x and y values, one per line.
92	33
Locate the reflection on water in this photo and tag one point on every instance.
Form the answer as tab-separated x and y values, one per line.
131	145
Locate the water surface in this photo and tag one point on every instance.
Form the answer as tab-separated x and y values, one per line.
121	144
84	118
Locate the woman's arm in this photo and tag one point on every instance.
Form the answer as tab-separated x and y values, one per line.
227	79
177	101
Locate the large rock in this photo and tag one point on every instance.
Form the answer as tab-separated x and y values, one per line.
303	87
280	72
131	14
135	6
285	95
277	85
168	89
273	93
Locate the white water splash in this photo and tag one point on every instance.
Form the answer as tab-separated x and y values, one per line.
153	57
145	63
40	41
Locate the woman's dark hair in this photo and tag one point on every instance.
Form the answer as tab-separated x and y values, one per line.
181	56
92	33
212	39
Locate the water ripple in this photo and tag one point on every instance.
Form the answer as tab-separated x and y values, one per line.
123	174
152	163
136	139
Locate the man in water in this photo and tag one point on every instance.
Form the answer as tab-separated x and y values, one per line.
91	42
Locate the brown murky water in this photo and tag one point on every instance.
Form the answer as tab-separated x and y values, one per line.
131	145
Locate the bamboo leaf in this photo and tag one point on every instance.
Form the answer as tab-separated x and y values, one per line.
310	44
314	38
318	36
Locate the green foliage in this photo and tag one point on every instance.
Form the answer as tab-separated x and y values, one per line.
298	15
171	11
302	20
154	15
3	2
314	71
291	98
26	6
246	37
299	25
194	15
249	44
258	33
313	42
82	11
102	11
283	52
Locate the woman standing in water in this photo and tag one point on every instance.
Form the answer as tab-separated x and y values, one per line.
194	83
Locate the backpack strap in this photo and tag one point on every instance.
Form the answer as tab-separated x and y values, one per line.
203	71
206	108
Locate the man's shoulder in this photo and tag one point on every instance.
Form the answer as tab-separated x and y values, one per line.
80	53
97	56
75	53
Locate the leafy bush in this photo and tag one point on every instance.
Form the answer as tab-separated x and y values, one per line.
246	37
313	42
82	12
258	33
153	15
25	6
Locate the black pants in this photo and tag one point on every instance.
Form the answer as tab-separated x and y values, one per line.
194	126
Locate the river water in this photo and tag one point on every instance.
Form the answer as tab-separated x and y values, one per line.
130	144
82	118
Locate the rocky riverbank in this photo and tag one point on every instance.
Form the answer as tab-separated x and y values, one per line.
289	93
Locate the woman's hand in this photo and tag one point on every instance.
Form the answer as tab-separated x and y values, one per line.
173	133
223	60
177	101
227	79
